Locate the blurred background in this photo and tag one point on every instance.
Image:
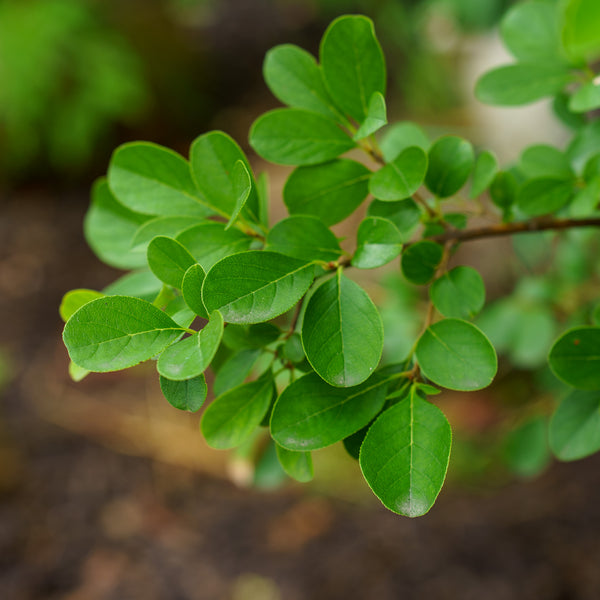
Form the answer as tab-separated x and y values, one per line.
106	492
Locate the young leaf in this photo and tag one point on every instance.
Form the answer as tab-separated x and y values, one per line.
580	36
297	465
376	118
154	180
290	136
586	98
208	242
405	454
74	300
456	355
575	426
521	83
235	369
189	394
169	260
242	186
342	333
378	241
486	168
399	137
311	414
191	356
304	237
420	261
401	178
575	358
191	288
109	228
332	191
117	332
458	293
167	226
353	64
256	286
404	214
544	195
232	417
294	77
451	161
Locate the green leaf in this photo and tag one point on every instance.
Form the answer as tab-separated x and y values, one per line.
404	214
290	136
458	293
541	160
297	465
575	426
74	300
304	237
154	180
258	335
209	242
167	226
420	261
353	64
456	355
213	158
575	358
486	168
311	414
526	450
117	332
378	241
332	191
451	160
179	311
401	178
235	369
185	395
191	288
503	190
262	188
581	29
192	355
544	195
232	417
584	145
586	98
531	31
401	136
405	454
342	333
242	186
376	118
521	83
256	286
294	77
109	228
169	260
139	284
292	349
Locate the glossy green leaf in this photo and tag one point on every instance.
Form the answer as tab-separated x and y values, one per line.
191	288
526	449
404	214
192	355
109	228
503	190
378	241
331	191
581	27
179	311
305	237
242	186
353	64
541	160
458	293
486	168
232	417
235	369
420	261
209	242
294	77
77	373
401	178
213	158
167	226
400	136
544	195
117	332
311	414
456	355
575	426
169	260
405	454
451	160
586	98
297	465
575	358
290	136
342	333
74	300
252	287
376	117
139	284
521	83
189	394
154	180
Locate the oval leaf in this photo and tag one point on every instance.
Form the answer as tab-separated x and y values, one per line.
376	117
297	465
458	293
169	260
451	160
420	261
401	178
544	195
575	358
486	167
185	395
378	242
74	300
191	288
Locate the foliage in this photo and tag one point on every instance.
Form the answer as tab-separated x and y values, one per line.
295	343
